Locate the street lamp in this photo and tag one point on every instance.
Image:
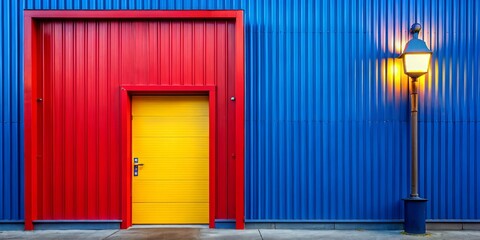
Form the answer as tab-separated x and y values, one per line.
416	59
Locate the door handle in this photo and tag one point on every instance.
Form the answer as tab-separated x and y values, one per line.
136	164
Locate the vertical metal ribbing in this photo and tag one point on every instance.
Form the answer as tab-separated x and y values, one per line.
448	126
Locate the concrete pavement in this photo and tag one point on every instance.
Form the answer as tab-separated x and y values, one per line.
203	233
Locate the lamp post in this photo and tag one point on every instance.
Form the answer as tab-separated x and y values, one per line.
416	59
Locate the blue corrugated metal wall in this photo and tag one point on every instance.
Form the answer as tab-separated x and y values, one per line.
327	112
11	111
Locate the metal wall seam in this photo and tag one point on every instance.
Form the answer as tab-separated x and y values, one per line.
327	105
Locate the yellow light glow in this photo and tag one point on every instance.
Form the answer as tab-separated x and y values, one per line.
416	62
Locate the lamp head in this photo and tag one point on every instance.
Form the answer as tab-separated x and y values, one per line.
416	56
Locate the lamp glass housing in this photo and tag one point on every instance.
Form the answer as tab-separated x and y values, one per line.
416	63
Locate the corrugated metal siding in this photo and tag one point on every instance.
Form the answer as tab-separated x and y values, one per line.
11	114
327	105
83	65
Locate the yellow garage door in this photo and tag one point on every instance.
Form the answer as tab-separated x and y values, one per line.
170	143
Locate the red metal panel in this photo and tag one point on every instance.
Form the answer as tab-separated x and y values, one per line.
212	157
126	153
230	121
239	123
91	128
199	53
175	54
46	166
210	63
103	122
69	119
186	51
153	60
80	174
80	121
30	118
219	76
57	119
165	53
113	57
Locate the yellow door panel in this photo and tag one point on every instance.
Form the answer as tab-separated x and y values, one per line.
171	127
173	191
169	147
177	213
177	106
170	137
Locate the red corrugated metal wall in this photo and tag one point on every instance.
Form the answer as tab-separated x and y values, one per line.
83	65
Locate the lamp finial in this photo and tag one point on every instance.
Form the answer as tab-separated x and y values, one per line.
415	29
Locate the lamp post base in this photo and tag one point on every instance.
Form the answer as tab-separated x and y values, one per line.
415	215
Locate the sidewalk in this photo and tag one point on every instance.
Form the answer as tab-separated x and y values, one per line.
260	234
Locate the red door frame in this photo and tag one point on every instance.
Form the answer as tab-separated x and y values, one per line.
126	113
31	93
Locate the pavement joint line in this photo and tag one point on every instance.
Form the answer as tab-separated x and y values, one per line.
259	232
112	234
